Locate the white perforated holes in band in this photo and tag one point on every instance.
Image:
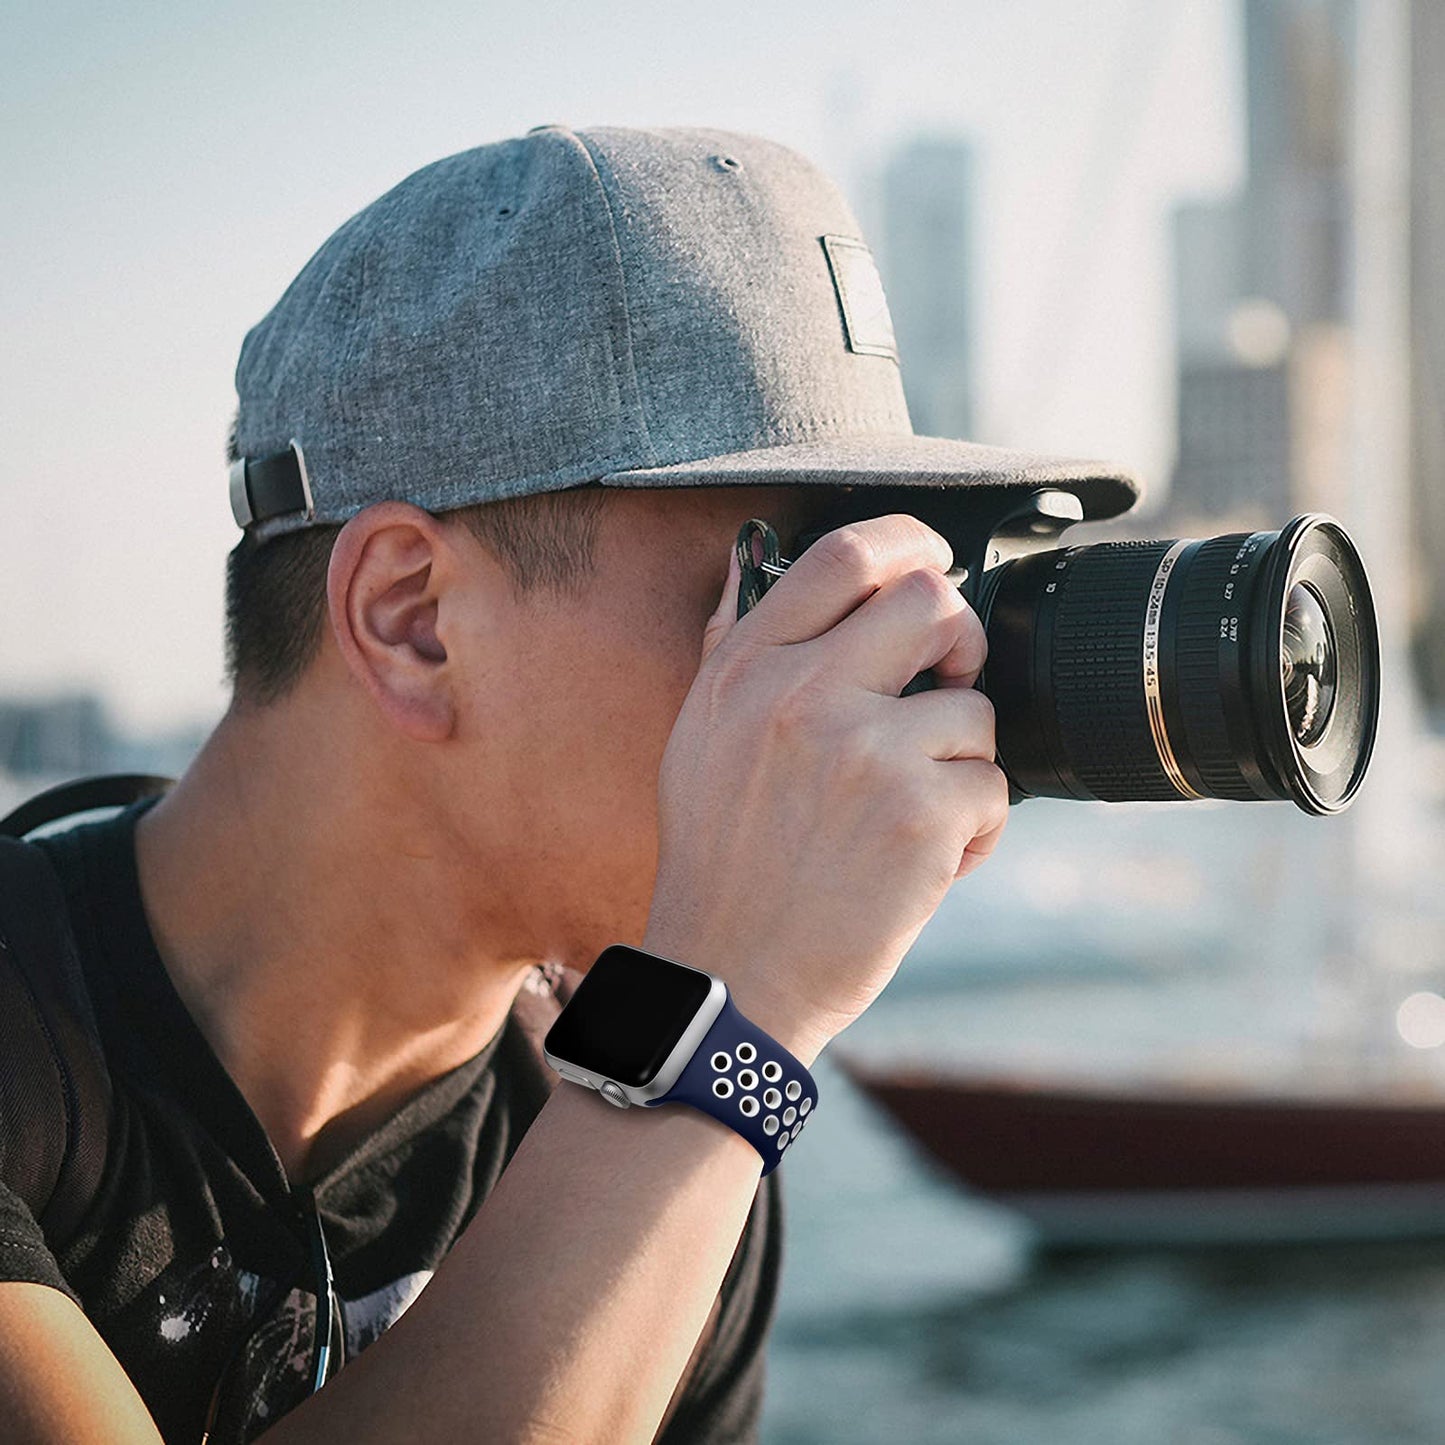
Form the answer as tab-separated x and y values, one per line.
772	1098
747	1079
748	1105
723	1088
722	1062
789	1114
746	1053
783	1140
793	1090
804	1107
772	1071
770	1124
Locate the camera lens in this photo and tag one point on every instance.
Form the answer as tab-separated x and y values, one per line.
1243	666
1307	663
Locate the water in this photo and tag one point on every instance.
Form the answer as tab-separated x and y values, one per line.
1207	940
914	1312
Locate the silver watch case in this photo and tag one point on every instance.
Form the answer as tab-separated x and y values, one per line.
672	1067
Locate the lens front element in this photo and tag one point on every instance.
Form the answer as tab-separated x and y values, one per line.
1307	664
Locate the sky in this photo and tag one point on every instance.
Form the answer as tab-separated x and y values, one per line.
167	169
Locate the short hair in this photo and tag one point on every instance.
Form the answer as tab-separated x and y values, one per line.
276	590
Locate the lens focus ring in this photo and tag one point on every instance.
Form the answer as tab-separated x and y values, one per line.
1097	671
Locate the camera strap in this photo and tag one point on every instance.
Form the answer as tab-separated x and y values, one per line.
759	561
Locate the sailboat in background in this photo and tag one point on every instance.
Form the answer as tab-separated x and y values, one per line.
1175	1163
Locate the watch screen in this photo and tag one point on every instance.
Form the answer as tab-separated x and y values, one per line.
627	1015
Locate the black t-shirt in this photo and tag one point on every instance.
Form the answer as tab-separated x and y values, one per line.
193	1258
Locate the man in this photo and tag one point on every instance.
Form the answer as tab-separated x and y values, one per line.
490	717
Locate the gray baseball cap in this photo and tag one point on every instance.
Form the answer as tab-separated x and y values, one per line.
640	308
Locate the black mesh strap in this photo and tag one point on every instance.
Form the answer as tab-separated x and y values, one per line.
757	549
55	1089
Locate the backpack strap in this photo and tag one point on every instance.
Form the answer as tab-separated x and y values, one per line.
108	790
55	1091
54	1087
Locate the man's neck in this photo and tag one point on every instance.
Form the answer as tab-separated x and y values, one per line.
324	937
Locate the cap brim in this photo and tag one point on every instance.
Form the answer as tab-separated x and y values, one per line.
1105	488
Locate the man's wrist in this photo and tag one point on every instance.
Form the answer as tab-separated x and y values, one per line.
751	995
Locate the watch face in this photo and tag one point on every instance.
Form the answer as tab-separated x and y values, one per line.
627	1015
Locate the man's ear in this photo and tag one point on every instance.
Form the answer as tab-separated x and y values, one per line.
390	568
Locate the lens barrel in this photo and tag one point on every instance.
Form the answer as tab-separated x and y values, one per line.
1243	666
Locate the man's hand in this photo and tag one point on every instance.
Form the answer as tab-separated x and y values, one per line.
811	819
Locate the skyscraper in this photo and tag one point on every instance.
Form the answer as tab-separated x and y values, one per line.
1427	343
927	268
1261	291
1299	66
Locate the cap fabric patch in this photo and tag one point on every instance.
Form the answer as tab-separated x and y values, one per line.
860	294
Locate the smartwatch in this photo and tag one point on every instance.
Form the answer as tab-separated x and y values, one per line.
642	1029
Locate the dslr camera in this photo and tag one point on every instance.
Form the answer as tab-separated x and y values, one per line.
1244	666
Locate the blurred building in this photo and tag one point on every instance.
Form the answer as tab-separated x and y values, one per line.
62	736
926	195
1299	64
1208	247
1427	325
1234	440
1261	289
1262	301
53	740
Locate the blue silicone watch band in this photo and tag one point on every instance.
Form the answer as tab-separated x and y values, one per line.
744	1077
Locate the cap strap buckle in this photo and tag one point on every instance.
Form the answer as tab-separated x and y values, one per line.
265	487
